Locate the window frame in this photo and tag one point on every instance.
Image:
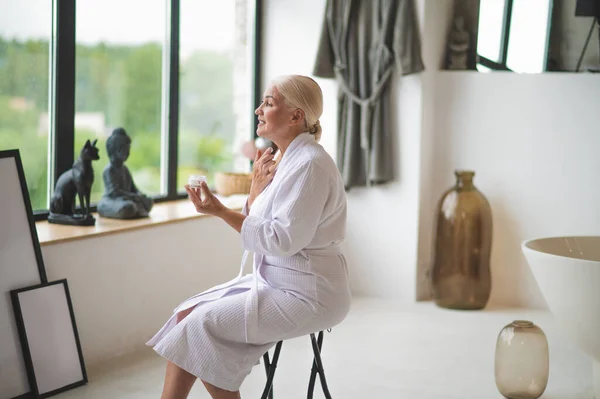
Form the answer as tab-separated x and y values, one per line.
501	64
62	94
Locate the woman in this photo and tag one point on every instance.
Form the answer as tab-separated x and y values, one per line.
294	222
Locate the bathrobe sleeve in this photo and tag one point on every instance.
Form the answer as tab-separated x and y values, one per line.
245	210
297	209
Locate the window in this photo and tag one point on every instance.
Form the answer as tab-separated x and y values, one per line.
180	76
513	35
214	94
491	29
529	33
25	32
119	83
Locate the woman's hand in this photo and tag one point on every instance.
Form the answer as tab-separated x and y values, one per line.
210	205
263	172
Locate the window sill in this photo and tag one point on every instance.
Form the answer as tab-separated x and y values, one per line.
162	213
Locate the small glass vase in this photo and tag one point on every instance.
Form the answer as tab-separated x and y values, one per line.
460	275
522	361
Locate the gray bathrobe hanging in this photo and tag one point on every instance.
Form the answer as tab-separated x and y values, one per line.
362	44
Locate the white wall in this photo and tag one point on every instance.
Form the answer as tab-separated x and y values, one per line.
435	19
382	234
533	141
125	286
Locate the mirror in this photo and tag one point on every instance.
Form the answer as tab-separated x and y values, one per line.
525	36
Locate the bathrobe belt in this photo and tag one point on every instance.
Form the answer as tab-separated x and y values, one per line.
252	299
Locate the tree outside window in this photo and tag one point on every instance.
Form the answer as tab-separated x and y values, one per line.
24	85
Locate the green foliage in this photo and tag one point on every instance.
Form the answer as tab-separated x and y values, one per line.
23	97
144	162
122	83
19	130
206	101
143	89
212	153
20	116
24	70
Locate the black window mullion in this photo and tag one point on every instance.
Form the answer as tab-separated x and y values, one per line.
64	88
173	128
506	32
486	62
257	82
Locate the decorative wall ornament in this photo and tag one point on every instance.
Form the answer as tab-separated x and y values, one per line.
461	42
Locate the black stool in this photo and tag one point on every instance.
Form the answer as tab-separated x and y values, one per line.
317	367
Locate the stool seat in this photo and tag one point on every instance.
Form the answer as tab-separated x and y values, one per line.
317	368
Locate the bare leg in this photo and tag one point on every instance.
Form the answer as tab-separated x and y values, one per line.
218	393
178	382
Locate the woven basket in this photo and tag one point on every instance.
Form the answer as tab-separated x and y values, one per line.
227	183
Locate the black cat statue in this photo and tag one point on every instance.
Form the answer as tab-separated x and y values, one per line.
75	182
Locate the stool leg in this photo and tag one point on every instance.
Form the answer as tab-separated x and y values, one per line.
270	371
313	371
317	367
268	386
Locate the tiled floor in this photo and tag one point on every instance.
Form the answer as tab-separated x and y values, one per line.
382	350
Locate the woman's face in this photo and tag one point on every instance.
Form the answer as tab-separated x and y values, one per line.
274	118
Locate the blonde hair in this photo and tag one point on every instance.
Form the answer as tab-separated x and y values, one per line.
302	92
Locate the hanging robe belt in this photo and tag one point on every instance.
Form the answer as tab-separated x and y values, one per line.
251	303
365	111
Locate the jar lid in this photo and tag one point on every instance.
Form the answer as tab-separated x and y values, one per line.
195	180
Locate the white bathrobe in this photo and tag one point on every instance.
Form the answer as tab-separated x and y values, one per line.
299	284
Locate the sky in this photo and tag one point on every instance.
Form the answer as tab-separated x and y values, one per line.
125	21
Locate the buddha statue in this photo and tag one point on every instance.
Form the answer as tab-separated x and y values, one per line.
459	44
121	199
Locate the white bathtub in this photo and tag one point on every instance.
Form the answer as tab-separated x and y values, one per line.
567	271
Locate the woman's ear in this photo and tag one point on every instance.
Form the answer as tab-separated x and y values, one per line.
297	116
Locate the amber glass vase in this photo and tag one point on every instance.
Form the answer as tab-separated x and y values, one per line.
522	361
460	275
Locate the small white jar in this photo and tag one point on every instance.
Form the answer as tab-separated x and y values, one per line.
194	181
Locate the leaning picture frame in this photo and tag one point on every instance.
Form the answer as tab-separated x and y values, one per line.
21	265
49	337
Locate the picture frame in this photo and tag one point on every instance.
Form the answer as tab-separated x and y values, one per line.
49	338
21	265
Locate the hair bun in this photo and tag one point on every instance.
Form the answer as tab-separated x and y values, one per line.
316	130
